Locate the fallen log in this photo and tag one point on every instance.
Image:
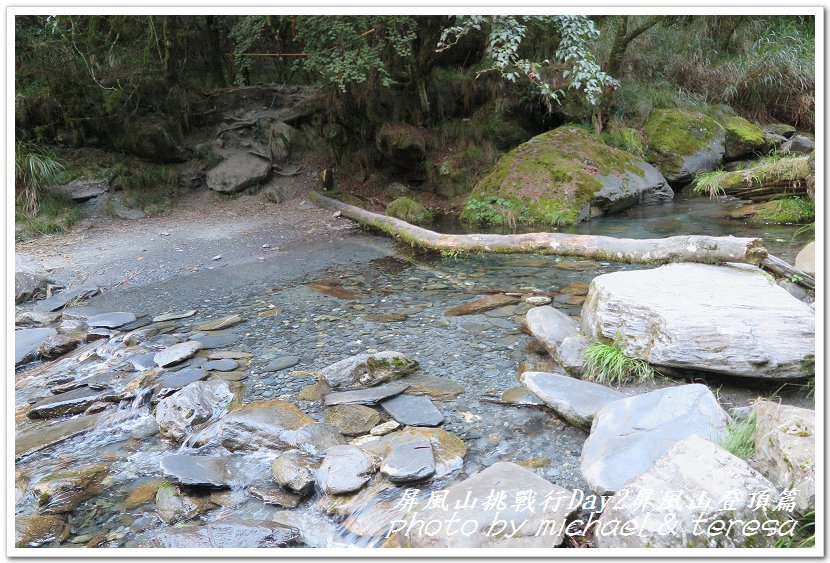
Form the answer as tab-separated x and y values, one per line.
780	268
768	180
694	248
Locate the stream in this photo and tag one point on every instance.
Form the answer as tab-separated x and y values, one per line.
323	303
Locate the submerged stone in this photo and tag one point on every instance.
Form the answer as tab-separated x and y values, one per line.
413	410
409	460
344	469
574	400
226	533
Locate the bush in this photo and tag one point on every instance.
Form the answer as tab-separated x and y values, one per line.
34	168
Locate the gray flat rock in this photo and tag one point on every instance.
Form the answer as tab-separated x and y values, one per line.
71	402
43	435
550	326
237	172
139	322
81	313
574	400
410	460
28	340
221	365
212	341
198	470
174	316
173	381
110	320
61	299
345	469
220	323
413	410
226	533
569	354
295	470
279	364
369	396
367	370
177	353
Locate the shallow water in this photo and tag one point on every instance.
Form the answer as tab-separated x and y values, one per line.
288	316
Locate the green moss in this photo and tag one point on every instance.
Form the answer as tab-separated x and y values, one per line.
673	134
625	138
548	180
743	131
409	210
791	170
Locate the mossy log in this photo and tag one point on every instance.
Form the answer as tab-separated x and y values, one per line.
693	248
786	177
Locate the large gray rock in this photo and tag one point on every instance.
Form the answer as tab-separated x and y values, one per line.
173	506
731	320
28	340
628	435
682	143
413	410
345	469
785	450
60	300
805	260
171	382
367	370
181	414
27	285
199	470
295	470
799	144
409	460
574	400
111	320
237	172
71	402
542	528
550	326
570	354
177	353
697	469
351	420
276	425
226	533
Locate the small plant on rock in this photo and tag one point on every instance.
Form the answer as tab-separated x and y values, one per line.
739	439
608	365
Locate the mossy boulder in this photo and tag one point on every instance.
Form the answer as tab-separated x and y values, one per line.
681	143
742	138
409	210
559	178
404	146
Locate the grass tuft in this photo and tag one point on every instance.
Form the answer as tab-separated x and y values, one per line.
739	439
608	365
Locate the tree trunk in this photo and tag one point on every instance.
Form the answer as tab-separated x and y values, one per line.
216	60
695	248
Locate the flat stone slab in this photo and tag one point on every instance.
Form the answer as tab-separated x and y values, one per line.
628	435
174	316
226	533
71	402
733	320
173	381
220	323
409	460
198	470
212	341
221	365
413	410
177	353
275	496
43	435
574	400
550	326
60	300
110	320
28	340
369	396
279	364
487	303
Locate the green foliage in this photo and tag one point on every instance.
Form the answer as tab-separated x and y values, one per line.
772	169
626	139
409	210
789	210
805	533
739	437
491	210
608	365
34	168
56	213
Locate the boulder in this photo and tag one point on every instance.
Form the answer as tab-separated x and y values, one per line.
730	320
345	469
781	129
702	472
681	143
38	531
275	425
27	285
799	144
413	410
351	420
570	354
64	491
742	138
550	326
541	528
186	411
281	137
785	450
28	340
574	400
237	172
409	460
295	470
177	353
628	435
173	506
226	533
448	451
806	259
367	370
562	177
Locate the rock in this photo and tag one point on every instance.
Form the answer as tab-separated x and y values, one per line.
295	470
742	138
436	388
699	470
186	411
229	375
171	382
404	147
520	396
63	298
537	300
226	533
731	320
410	210
220	365
211	341
280	364
238	171
71	402
220	323
276	425
173	506
110	320
369	396
796	291
629	434
59	344
198	470
28	340
275	496
682	143
806	259
84	190
174	316
367	370
345	469
550	326
281	138
409	460
782	129
484	304
38	530
785	450
177	353
799	144
574	400
27	285
562	177
141	495
569	354
448	450
351	420
64	491
385	318
385	428
44	435
511	479
28	318
413	410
